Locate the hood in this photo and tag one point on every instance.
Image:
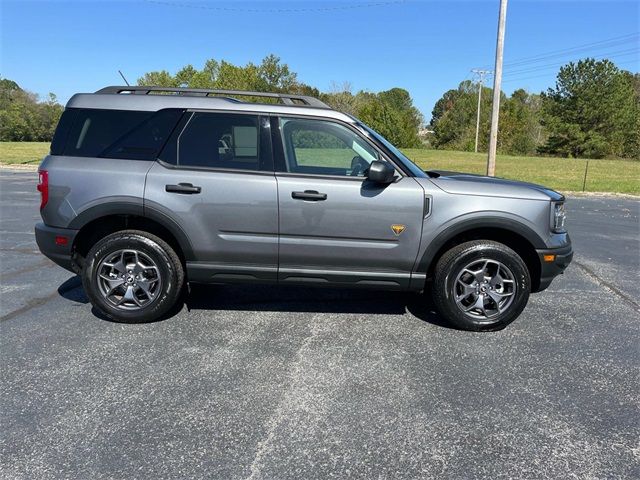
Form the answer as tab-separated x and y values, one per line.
470	184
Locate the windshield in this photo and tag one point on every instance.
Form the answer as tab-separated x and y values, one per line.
413	168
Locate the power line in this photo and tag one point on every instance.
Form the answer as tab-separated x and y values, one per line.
607	43
352	6
629	38
546	75
619	53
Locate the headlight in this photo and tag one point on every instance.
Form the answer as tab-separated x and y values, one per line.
558	217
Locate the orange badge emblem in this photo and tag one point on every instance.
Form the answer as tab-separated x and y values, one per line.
398	229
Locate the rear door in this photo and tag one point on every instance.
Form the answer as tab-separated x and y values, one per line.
214	180
335	225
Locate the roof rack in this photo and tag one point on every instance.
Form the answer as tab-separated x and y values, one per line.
285	98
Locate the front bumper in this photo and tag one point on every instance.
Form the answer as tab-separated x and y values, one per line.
60	254
550	270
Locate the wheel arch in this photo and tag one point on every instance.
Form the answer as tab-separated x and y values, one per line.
97	222
515	235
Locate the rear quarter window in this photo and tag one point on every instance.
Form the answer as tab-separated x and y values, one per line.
62	131
94	131
133	135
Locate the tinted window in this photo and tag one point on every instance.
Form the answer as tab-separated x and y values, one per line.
217	140
145	141
324	148
406	161
62	131
95	130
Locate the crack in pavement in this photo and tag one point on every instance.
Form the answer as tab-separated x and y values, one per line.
37	302
44	263
607	285
264	445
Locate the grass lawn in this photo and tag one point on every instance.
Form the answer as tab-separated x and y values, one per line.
563	174
12	153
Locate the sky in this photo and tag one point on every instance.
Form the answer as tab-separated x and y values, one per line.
424	46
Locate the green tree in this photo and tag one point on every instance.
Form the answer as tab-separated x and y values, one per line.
392	113
454	118
271	75
23	117
593	111
520	131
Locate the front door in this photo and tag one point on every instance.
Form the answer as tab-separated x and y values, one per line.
335	225
215	182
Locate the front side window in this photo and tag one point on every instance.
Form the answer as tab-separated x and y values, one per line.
218	140
324	148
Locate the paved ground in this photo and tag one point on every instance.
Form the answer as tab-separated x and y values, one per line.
295	383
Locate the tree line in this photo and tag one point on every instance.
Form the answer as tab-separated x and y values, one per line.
23	117
592	111
391	112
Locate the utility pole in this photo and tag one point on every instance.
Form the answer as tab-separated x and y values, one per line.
481	74
497	84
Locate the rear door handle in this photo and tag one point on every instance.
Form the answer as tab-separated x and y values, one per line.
183	188
311	195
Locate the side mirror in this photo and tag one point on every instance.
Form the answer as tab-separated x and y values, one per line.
380	172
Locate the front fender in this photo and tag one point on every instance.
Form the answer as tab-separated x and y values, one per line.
472	221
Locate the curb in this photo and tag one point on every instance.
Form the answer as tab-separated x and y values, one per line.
19	167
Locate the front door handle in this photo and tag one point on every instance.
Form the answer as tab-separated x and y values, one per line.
311	195
183	188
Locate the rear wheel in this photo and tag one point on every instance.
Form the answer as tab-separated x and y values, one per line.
481	285
133	276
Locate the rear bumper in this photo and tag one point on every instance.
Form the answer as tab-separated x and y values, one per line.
550	270
60	254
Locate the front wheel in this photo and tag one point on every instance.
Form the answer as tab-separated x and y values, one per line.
481	285
133	276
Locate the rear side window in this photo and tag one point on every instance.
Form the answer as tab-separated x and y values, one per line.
132	135
94	131
218	140
145	141
62	131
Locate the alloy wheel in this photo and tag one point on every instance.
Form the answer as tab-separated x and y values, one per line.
128	279
484	289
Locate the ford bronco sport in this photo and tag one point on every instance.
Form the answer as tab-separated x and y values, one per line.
148	188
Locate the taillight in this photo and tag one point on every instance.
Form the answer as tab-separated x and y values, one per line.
43	187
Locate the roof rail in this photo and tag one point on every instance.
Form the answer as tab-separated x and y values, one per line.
285	98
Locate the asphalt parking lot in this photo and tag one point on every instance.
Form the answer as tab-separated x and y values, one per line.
282	383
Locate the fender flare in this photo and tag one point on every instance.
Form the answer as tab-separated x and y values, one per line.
135	207
461	226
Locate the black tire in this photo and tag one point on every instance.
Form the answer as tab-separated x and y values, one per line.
168	270
446	286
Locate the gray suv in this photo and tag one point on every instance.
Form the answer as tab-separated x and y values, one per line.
149	188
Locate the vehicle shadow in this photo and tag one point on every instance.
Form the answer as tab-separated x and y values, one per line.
278	298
